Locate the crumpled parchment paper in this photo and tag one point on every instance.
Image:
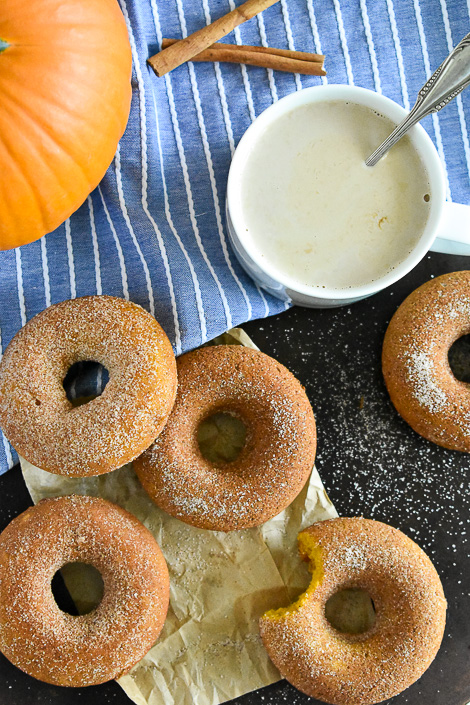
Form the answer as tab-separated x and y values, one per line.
209	650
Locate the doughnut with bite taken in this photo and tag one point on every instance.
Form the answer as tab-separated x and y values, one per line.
410	608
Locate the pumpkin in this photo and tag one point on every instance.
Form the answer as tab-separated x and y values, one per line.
65	95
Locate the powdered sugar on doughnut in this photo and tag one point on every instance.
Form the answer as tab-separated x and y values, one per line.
421	374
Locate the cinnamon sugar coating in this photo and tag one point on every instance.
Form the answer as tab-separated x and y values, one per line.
272	467
109	431
367	668
56	647
415	361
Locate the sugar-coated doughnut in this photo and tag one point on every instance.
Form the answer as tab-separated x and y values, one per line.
415	360
369	667
56	647
274	463
109	431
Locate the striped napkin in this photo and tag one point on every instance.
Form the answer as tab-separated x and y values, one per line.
154	230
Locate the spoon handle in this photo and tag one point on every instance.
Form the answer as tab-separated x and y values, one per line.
447	81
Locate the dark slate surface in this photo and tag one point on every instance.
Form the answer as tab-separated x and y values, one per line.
371	463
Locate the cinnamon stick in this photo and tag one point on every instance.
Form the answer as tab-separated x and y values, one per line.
185	49
267	57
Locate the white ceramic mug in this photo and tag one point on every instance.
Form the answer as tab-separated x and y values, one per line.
447	229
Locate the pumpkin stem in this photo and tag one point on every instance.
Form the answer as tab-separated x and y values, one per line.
3	45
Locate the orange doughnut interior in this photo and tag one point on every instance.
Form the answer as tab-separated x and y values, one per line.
311	552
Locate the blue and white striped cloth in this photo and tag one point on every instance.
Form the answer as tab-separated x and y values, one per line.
154	230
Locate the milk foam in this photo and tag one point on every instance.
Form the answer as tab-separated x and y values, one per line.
317	213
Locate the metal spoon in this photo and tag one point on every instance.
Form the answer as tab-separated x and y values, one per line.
447	81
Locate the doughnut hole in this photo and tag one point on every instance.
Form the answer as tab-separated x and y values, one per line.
88	588
84	381
221	437
459	359
350	611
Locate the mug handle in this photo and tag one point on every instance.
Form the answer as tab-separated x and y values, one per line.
453	235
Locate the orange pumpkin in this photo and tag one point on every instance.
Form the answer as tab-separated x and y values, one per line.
65	96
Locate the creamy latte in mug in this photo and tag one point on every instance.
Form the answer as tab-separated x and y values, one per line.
316	212
311	223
